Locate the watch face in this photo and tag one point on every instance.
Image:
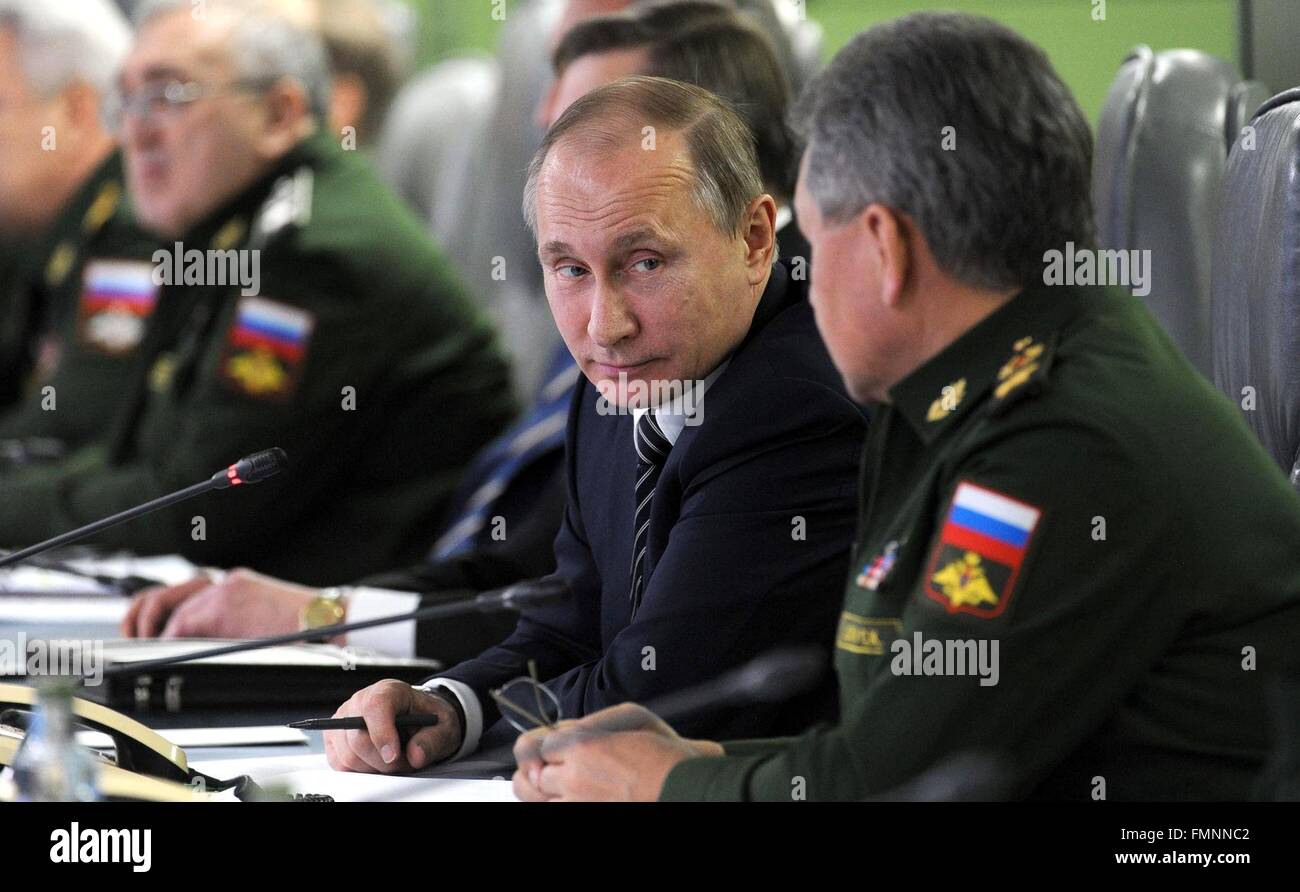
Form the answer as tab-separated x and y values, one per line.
322	612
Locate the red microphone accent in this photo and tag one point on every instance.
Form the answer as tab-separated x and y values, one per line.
233	476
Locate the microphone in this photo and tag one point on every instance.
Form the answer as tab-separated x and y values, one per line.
252	469
520	596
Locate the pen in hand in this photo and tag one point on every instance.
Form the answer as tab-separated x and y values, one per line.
406	724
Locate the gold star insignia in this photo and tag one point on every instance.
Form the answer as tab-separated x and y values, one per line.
103	207
61	260
949	399
1020	367
161	374
229	235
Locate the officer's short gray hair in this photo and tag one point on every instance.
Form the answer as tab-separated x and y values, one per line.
62	42
963	125
721	145
265	47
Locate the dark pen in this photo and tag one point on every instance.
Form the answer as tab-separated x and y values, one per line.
410	721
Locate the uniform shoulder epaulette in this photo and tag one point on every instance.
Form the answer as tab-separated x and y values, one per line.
1024	373
288	207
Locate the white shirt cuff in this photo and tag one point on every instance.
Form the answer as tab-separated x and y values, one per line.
394	639
473	712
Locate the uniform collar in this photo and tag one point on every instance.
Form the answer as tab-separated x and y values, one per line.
1000	353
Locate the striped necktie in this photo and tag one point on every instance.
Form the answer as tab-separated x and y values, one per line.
652	452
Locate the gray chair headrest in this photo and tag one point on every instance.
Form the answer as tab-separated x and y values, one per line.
1256	305
1162	143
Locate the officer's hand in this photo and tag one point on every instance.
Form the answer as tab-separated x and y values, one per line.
532	749
602	767
150	608
378	748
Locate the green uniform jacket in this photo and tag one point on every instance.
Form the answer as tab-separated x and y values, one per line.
15	340
359	355
1060	482
76	311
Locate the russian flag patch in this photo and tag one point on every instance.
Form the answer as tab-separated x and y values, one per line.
981	548
266	347
117	299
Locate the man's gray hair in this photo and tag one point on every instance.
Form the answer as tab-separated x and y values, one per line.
963	125
721	145
62	42
266	47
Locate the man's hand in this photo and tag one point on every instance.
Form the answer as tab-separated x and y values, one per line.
620	754
243	604
378	748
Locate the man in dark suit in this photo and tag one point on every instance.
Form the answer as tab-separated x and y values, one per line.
502	524
710	458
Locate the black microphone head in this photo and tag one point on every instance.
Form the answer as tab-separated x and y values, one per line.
253	468
535	593
780	674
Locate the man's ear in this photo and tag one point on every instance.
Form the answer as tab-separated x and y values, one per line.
348	103
80	107
287	118
760	237
887	239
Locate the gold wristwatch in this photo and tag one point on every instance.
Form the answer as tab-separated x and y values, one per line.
326	609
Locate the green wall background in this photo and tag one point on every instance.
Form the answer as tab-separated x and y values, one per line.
1086	52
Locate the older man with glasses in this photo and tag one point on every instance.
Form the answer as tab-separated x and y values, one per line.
300	305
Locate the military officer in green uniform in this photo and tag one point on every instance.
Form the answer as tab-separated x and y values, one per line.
299	306
84	303
74	268
1076	573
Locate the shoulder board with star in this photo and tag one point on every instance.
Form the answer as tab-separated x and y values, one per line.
1024	372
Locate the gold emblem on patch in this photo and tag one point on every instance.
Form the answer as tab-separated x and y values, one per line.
60	264
257	371
1020	367
949	399
963	582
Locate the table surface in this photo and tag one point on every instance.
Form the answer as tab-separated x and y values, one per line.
18	623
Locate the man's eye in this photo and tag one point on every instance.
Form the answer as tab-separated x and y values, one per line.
569	271
649	264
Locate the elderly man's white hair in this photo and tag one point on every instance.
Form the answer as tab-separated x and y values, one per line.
273	39
61	42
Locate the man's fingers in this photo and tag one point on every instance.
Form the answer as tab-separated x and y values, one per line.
380	705
528	746
524	789
127	626
157	605
555	782
553	746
